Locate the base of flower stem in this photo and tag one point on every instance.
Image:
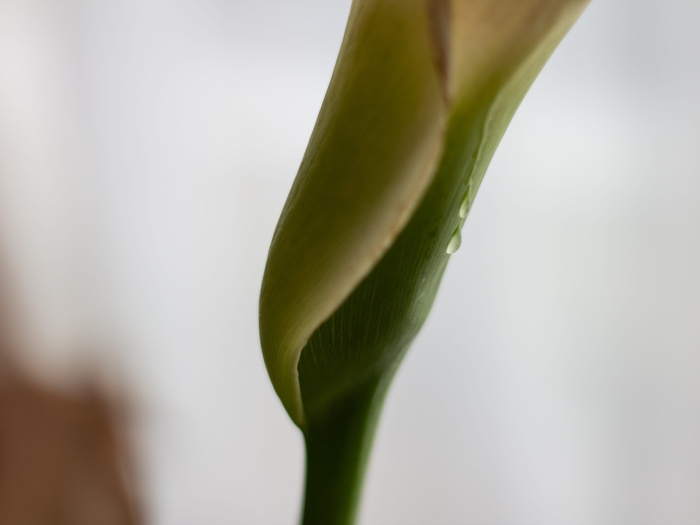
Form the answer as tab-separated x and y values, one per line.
337	450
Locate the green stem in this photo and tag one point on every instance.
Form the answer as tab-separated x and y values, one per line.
337	449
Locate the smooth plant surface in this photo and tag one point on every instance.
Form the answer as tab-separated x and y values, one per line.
422	93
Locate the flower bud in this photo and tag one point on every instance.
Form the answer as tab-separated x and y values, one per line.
422	93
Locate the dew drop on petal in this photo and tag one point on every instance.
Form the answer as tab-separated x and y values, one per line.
464	207
466	204
455	242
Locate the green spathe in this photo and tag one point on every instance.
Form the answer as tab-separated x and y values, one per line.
369	161
421	94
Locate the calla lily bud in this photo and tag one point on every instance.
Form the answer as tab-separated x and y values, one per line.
422	93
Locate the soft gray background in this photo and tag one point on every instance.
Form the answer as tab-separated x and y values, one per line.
146	149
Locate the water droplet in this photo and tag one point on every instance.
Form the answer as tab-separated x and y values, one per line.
464	207
455	242
466	204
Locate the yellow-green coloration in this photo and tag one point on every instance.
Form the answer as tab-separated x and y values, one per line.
422	93
391	124
370	159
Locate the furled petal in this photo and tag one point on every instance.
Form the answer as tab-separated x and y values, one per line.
420	97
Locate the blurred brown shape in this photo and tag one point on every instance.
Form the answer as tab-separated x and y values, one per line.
61	462
63	456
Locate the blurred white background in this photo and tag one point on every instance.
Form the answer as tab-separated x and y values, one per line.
146	149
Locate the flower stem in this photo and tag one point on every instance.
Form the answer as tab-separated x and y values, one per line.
337	449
